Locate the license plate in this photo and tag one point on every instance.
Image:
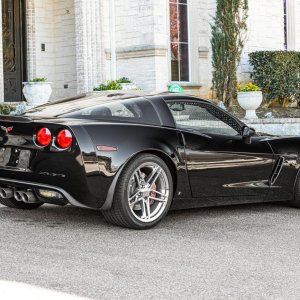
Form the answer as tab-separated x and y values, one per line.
14	157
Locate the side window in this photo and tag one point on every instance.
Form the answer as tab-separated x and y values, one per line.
130	110
203	118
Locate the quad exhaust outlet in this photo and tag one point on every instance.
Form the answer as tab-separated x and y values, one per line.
21	196
26	197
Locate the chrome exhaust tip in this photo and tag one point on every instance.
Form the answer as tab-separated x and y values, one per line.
29	197
6	193
18	196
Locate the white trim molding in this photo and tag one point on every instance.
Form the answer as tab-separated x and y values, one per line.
30	39
291	25
89	44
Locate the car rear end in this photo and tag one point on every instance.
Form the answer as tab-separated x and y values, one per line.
41	161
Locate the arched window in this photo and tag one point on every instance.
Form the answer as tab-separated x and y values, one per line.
179	40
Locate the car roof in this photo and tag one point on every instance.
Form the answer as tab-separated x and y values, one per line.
107	96
91	99
56	108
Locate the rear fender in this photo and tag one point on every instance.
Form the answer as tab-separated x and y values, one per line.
110	147
175	163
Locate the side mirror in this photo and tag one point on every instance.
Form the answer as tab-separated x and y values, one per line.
178	107
248	133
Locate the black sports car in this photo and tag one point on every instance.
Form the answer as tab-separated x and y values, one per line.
134	157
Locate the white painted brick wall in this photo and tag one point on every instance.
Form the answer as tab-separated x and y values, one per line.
205	64
45	61
1	63
89	44
146	23
138	24
265	30
297	27
134	28
64	48
55	27
77	33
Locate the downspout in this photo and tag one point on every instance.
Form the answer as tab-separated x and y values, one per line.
113	54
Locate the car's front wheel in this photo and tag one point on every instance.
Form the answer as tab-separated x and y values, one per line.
143	195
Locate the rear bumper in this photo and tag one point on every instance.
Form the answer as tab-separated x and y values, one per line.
34	185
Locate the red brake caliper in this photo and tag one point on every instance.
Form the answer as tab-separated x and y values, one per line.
153	193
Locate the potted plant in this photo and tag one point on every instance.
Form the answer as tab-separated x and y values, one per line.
109	85
249	97
37	91
126	84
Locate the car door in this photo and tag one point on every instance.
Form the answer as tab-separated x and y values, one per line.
219	162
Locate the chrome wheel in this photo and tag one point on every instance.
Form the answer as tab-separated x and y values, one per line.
148	192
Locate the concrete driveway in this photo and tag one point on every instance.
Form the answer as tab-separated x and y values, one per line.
237	252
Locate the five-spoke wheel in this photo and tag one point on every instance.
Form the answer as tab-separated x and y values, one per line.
143	194
148	192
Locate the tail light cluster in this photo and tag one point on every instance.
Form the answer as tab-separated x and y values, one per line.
63	139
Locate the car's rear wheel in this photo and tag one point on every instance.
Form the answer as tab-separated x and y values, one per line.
12	203
143	195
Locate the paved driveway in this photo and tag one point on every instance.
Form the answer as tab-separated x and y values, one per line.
242	252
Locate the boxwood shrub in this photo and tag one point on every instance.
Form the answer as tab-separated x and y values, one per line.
6	109
278	75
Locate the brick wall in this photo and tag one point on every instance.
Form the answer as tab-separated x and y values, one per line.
1	62
265	31
77	36
141	42
64	48
89	44
297	27
54	23
44	34
71	32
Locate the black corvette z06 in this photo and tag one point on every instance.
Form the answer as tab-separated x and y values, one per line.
135	157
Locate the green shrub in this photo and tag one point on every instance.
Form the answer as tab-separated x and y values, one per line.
228	32
124	80
278	75
6	109
108	86
39	79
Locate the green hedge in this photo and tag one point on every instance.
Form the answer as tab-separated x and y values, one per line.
278	75
6	109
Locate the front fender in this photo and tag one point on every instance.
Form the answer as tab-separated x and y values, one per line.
289	149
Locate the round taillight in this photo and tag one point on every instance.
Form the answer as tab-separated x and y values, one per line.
43	137
64	139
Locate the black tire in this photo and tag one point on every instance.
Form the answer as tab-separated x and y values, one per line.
120	213
296	201
12	203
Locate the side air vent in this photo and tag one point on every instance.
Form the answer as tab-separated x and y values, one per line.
276	171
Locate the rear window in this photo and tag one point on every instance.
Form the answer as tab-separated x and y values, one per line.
139	111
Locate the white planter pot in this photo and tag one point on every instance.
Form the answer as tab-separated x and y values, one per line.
250	102
37	93
128	86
